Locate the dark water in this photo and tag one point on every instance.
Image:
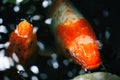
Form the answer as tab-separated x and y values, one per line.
103	15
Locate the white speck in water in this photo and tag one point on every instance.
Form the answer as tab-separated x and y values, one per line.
55	64
3	29
20	67
6	44
12	26
35	29
11	61
4	1
41	45
16	8
15	57
65	62
1	20
45	3
49	62
34	69
0	37
43	76
6	78
107	34
54	55
34	78
25	74
70	74
23	19
96	21
48	21
4	61
18	1
2	53
35	17
105	13
1	45
2	68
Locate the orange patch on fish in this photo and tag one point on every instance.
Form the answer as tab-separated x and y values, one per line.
80	41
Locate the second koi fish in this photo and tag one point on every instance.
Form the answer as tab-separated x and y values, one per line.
23	42
75	35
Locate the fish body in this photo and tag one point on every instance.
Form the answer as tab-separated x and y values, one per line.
75	35
23	41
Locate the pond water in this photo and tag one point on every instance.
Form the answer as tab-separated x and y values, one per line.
48	64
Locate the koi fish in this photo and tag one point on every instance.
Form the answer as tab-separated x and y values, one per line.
75	35
23	41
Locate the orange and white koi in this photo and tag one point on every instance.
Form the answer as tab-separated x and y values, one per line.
75	35
23	41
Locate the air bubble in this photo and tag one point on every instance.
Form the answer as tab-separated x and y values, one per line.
4	1
35	17
46	3
41	45
34	78
4	61
43	76
34	69
6	44
16	8
65	62
3	29
107	34
1	20
105	13
0	37
18	1
1	46
20	68
55	64
48	21
35	29
6	78
54	55
11	61
15	57
96	21
70	74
